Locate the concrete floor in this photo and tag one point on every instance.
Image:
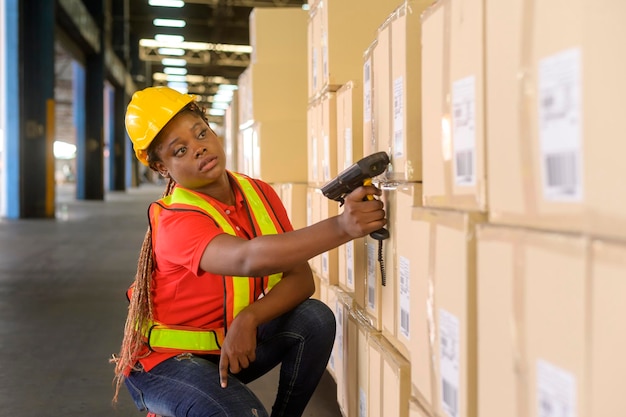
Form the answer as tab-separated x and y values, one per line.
62	309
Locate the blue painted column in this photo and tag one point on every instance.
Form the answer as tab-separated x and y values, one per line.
118	154
93	186
11	110
36	121
79	98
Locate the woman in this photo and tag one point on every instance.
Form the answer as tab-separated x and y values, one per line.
221	294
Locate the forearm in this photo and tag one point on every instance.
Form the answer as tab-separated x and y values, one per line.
274	253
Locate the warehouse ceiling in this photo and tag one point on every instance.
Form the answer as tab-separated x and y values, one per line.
216	45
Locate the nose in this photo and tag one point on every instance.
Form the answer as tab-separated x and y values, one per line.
200	151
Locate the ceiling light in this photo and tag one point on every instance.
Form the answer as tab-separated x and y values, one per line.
170	23
180	87
166	3
220	105
228	87
171	51
199	46
169	38
173	62
217	112
176	78
175	71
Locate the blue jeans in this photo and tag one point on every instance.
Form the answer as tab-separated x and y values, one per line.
188	385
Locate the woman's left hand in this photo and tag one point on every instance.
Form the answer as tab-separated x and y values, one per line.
239	347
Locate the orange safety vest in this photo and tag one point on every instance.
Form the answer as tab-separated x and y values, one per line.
162	337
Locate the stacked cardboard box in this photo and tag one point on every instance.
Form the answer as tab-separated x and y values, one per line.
271	107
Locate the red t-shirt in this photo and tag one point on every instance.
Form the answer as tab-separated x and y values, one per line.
182	293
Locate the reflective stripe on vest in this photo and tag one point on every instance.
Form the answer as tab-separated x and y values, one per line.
163	338
166	338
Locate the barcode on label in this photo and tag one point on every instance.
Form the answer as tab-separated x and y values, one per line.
562	173
464	172
404	322
450	398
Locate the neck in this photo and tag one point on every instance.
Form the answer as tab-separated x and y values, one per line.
221	190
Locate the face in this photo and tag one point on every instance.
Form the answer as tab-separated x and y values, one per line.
190	152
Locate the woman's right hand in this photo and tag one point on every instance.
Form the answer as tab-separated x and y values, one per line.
361	215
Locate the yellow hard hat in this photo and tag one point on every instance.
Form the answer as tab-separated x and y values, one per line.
148	112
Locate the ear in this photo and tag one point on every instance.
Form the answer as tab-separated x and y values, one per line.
161	169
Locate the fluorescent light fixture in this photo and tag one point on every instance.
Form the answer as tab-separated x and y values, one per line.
64	150
220	105
198	46
169	39
166	3
228	87
223	98
217	112
175	71
173	62
171	51
170	23
180	87
176	78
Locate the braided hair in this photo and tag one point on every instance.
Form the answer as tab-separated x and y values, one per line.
140	309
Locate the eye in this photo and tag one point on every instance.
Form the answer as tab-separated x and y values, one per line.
202	134
180	151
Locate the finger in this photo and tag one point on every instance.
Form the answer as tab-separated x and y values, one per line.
223	370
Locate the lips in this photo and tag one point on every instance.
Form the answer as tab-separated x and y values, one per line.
207	163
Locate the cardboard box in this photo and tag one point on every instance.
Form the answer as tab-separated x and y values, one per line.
328	156
347	348
533	314
405	139
334	362
351	269
369	138
267	151
276	33
366	378
381	95
314	213
314	142
349	124
608	341
314	61
443	311
391	371
554	104
328	259
347	28
293	196
403	231
453	134
416	410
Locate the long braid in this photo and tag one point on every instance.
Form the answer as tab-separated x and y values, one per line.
140	313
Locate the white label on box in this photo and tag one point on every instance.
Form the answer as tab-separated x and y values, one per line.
350	265
325	264
367	91
326	160
371	276
398	117
362	403
464	130
560	125
449	335
347	136
556	391
405	299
